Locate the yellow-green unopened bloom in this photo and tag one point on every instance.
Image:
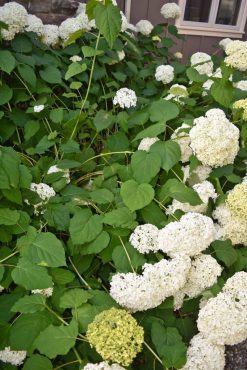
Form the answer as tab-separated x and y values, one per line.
237	200
116	336
241	104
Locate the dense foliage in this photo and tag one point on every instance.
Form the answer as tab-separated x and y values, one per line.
68	239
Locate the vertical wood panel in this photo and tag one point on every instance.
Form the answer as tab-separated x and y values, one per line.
139	10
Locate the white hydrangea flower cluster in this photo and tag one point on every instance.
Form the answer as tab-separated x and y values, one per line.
103	366
121	55
15	16
204	355
75	58
38	108
202	62
241	85
223	320
147	142
205	190
55	169
203	274
125	97
50	35
15	358
236	52
34	24
181	137
44	191
189	236
230	226
157	282
199	174
145	238
224	42
214	139
144	27
170	11
44	292
164	73
68	27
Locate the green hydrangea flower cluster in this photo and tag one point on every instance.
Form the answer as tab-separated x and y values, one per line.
237	200
116	336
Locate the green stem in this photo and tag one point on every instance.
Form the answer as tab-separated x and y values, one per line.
105	154
127	254
79	275
77	356
89	86
67	363
57	316
165	209
155	354
176	175
11	255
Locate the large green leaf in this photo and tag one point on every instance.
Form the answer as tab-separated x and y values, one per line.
108	21
85	315
37	362
179	191
225	252
46	250
29	304
145	166
169	152
73	298
57	340
31	276
136	196
97	245
51	75
223	92
6	94
163	111
151	131
75	69
7	61
169	345
121	217
27	73
84	227
103	120
8	216
121	260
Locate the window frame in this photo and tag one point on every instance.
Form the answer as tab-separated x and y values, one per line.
210	28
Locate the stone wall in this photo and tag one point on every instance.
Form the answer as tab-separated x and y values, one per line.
50	11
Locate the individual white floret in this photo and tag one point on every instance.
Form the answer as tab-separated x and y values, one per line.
205	190
125	97
164	73
203	355
147	142
68	27
15	358
144	27
189	236
55	169
230	226
15	16
202	62
214	139
50	35
45	292
75	58
181	137
145	238
103	366
170	10
222	321
224	42
44	191
34	24
38	108
241	85
142	292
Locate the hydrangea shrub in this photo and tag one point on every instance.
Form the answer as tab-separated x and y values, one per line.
123	222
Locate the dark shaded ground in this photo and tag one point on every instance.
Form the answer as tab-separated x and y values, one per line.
236	357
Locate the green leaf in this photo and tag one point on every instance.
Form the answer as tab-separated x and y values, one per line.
51	75
152	214
108	21
27	73
30	129
7	61
26	328
169	345
6	94
97	245
136	196
43	145
151	131
169	152
8	216
223	92
56	115
145	166
75	69
37	362
163	110
179	191
61	276
73	298
21	44
89	52
194	75
225	252
103	120
85	315
30	304
121	217
46	250
84	227
57	340
102	196
31	276
121	260
57	215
